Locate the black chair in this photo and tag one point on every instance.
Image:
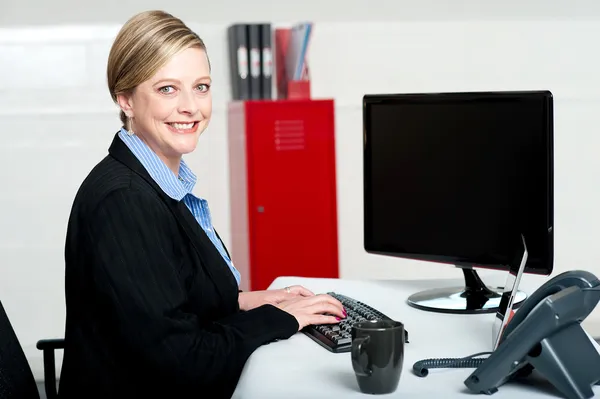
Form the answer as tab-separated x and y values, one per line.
16	378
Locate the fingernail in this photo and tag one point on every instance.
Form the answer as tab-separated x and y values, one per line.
338	319
345	314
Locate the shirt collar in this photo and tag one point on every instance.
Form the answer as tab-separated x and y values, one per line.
175	187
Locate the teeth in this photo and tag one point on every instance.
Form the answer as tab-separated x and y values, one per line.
182	126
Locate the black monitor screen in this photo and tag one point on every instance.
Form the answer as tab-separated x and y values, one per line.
459	177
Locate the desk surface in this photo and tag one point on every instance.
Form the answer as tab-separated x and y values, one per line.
300	368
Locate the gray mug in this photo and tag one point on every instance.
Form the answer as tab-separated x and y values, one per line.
378	355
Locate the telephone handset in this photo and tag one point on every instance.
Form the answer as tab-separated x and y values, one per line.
576	278
546	334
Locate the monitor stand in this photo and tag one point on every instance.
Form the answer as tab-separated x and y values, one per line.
474	298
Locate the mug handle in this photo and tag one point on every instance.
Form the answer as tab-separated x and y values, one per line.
361	367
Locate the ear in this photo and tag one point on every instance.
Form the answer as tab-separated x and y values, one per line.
125	104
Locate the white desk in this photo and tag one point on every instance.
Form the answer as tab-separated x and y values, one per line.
300	368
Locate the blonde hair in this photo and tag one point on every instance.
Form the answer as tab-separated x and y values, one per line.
143	45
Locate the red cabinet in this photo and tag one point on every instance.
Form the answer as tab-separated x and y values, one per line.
282	190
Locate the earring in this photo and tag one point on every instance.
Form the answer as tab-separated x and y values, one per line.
129	130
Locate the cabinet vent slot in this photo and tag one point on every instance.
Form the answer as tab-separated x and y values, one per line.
289	135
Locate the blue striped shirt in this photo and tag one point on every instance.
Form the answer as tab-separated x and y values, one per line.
179	188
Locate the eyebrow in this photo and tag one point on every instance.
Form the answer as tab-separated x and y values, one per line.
167	80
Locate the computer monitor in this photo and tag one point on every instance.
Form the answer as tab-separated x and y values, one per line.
463	179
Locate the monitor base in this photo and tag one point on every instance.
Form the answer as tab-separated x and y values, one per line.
474	298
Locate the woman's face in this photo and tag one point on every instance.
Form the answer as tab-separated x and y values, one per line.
170	110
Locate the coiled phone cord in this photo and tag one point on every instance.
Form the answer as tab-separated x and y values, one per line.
421	368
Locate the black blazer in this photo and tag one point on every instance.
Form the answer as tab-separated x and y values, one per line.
152	308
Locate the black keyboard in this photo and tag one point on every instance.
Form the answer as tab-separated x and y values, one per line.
337	338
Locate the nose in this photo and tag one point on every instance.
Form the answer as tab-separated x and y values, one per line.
187	103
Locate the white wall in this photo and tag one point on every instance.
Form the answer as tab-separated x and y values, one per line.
57	117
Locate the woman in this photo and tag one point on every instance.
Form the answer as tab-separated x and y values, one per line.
153	306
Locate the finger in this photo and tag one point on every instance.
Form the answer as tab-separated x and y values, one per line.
327	308
323	301
322	319
325	298
300	290
322	298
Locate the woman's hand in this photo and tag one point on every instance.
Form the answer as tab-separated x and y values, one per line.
318	309
253	299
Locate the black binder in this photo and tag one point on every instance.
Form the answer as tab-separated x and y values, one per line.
254	60
237	35
266	62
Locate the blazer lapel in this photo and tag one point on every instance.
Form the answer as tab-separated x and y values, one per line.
212	261
221	275
222	243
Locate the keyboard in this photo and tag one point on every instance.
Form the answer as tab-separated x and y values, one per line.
337	338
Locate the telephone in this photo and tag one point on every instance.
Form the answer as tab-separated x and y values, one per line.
545	334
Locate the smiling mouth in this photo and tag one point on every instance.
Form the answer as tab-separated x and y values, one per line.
183	127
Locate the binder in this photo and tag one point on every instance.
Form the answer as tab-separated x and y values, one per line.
238	61
266	62
297	49
282	39
254	53
292	72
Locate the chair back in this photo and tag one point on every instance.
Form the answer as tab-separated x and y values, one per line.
16	378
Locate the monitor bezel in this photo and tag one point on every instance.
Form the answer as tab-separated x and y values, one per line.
399	98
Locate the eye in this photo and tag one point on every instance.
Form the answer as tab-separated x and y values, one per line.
166	89
203	87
